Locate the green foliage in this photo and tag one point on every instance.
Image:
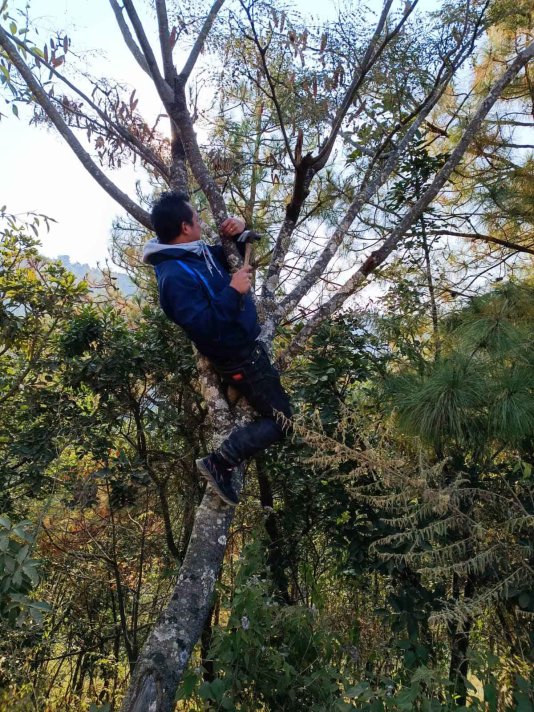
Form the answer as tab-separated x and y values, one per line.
481	390
97	445
369	534
270	655
443	515
37	299
19	575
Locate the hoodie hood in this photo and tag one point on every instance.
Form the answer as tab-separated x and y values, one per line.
198	247
153	247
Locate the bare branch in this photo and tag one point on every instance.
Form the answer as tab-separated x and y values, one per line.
164	90
165	42
179	178
200	41
182	119
127	36
178	171
377	257
485	238
44	101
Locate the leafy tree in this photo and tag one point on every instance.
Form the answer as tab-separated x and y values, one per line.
324	90
454	514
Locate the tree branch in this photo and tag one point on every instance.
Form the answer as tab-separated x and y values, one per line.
485	238
165	42
127	36
178	169
369	60
309	165
44	101
137	146
200	41
272	96
164	90
179	177
167	650
377	257
182	119
369	186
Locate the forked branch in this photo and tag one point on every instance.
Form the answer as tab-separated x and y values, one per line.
164	90
200	41
127	36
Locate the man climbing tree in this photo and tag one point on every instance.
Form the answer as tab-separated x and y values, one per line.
219	315
332	113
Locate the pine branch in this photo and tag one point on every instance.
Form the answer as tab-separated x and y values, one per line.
464	611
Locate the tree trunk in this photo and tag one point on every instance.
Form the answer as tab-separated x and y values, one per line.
168	648
166	652
275	555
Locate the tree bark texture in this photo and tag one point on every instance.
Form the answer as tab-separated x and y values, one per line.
166	652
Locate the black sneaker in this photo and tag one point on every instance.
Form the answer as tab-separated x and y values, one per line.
219	477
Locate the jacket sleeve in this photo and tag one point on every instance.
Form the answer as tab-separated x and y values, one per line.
185	301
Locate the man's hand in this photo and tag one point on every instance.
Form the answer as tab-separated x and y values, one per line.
232	227
242	280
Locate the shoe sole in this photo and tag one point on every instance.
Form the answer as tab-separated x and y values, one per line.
213	484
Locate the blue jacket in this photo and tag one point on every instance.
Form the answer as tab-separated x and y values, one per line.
212	313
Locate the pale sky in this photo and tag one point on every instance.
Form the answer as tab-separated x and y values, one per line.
39	171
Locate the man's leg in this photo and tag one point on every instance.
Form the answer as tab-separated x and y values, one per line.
260	383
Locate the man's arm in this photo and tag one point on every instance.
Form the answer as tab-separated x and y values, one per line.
186	303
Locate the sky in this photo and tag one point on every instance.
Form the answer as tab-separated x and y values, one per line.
38	170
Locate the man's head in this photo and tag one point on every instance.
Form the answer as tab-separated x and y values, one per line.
174	219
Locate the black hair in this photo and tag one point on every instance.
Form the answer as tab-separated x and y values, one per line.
168	213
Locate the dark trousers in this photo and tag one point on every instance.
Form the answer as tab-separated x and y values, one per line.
255	377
